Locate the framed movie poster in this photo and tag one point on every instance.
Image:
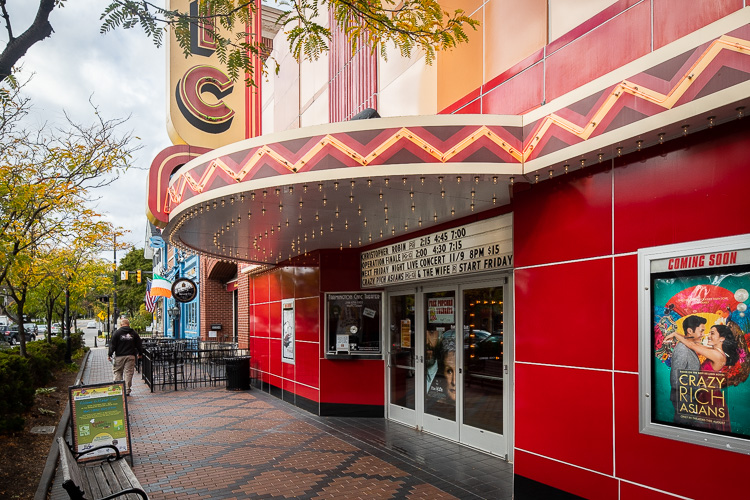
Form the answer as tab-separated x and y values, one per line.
287	331
359	316
694	331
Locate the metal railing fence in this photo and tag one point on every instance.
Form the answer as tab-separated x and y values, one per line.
169	364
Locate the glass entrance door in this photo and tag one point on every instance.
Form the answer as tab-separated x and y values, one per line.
447	368
484	368
402	366
440	367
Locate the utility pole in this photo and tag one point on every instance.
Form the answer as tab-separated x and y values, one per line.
66	323
115	314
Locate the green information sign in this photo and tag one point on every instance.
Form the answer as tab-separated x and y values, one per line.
99	417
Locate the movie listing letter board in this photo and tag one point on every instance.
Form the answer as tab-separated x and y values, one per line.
357	315
694	334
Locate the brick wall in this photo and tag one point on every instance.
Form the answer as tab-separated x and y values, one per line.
215	304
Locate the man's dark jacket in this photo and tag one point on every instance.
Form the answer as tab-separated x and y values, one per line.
125	342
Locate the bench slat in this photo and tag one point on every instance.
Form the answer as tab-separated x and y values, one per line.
96	482
72	480
126	477
111	471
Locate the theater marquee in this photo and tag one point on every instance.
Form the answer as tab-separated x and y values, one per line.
472	248
694	334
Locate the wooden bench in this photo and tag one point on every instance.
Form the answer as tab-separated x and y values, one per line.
111	478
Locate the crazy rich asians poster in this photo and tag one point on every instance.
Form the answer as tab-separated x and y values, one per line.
701	331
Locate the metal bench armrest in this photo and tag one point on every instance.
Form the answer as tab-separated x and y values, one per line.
108	457
136	491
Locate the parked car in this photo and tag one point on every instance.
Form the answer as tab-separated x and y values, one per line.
41	329
56	328
11	334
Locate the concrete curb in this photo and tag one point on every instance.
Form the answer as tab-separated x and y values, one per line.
48	474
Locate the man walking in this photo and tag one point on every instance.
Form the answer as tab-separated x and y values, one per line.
125	345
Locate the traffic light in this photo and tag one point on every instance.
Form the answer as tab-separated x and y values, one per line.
138	276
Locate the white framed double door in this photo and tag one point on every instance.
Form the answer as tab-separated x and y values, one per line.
448	361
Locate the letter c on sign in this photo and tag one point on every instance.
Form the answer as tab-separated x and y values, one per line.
212	118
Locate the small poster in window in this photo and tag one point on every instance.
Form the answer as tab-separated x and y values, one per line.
287	331
406	333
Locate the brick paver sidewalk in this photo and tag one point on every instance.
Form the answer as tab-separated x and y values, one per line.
212	443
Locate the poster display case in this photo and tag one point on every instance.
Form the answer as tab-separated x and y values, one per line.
694	331
354	318
99	416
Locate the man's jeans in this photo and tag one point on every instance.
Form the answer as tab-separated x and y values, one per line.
124	365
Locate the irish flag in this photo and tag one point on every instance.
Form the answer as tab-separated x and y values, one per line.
161	287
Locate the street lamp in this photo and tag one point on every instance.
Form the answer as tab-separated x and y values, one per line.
174	313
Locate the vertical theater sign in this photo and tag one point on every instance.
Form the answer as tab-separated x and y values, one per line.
206	108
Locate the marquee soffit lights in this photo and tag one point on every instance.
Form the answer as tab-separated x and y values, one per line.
303	231
305	235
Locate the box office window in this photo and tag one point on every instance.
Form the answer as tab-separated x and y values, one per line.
694	332
354	318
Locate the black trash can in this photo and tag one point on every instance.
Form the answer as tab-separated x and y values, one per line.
238	373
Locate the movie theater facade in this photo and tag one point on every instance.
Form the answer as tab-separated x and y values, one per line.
504	256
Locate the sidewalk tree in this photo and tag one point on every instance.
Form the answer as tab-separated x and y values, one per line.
410	25
47	178
129	293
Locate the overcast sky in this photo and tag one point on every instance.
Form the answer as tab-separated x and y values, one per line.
124	75
122	72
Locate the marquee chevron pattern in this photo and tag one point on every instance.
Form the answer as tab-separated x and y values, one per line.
474	136
481	136
666	101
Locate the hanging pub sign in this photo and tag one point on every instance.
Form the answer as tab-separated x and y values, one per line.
356	316
184	290
469	249
694	334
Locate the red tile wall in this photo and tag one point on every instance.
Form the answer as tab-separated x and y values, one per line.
244	290
518	95
581	482
549	319
547	221
341	382
576	311
672	20
703	183
615	43
619	34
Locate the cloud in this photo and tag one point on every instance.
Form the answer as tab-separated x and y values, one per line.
123	74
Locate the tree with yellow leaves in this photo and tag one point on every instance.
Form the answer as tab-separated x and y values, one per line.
47	180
